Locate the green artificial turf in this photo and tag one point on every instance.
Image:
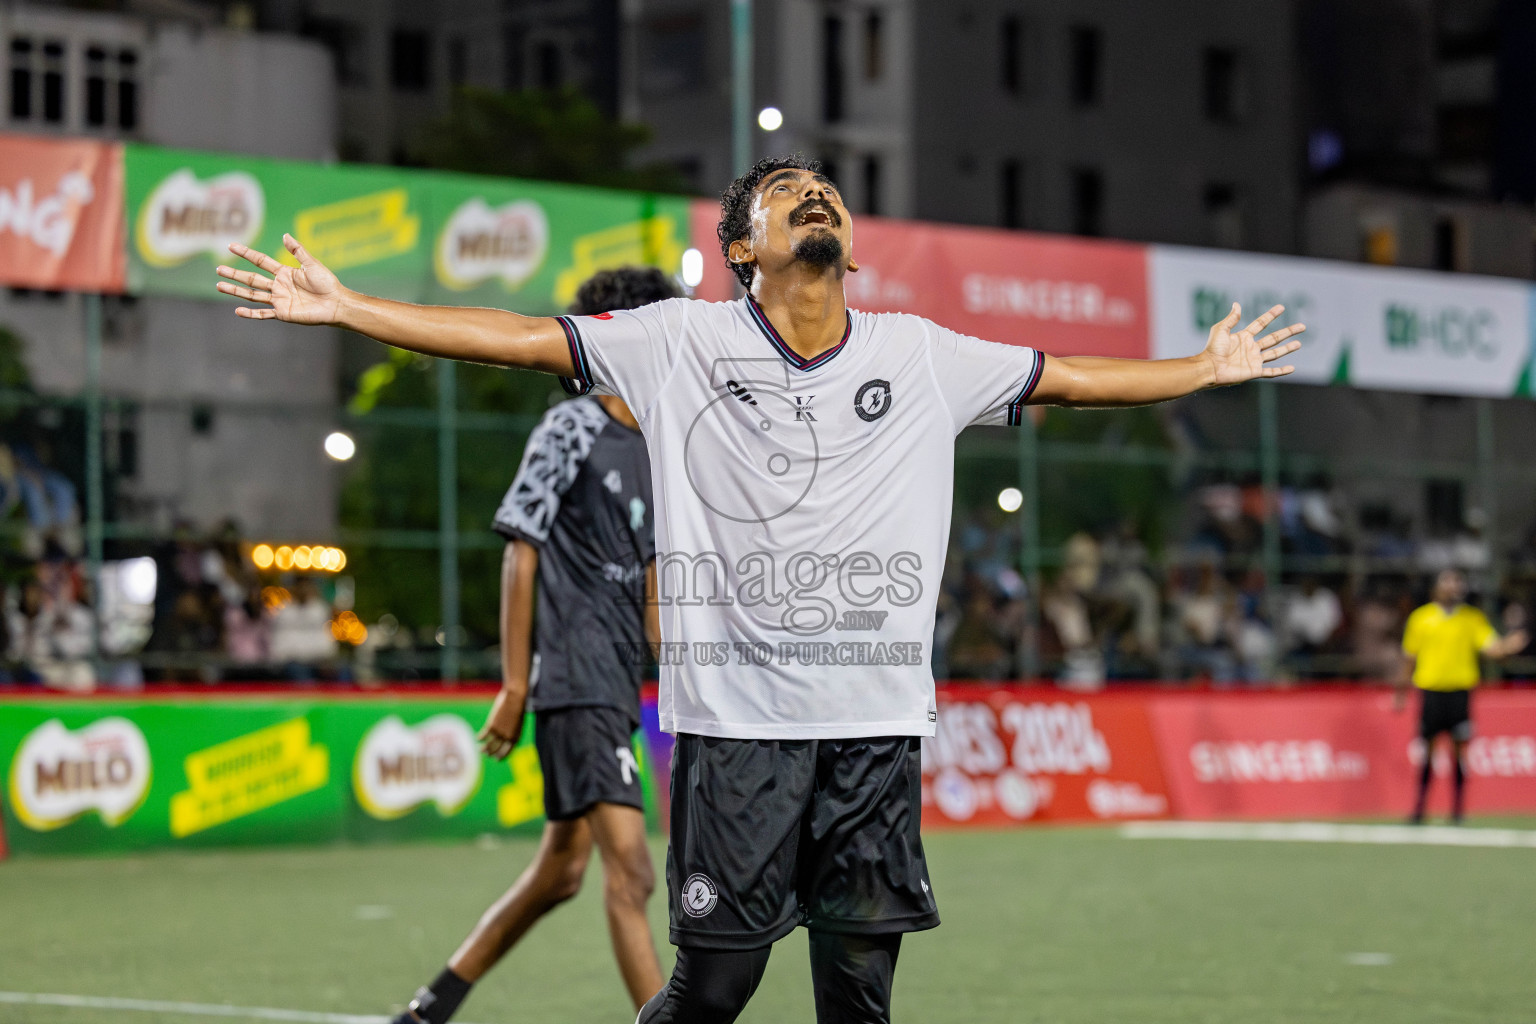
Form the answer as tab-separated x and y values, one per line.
1051	925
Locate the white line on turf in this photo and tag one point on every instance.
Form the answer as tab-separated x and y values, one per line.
1369	959
189	1009
1324	832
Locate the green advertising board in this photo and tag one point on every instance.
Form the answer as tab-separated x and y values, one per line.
89	776
415	235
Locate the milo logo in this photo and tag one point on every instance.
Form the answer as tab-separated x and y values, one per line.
184	216
59	775
400	767
481	242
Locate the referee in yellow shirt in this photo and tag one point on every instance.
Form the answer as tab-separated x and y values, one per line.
1442	641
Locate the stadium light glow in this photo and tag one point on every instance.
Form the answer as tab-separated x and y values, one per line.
1010	499
282	558
340	446
304	558
693	268
137	579
262	556
770	119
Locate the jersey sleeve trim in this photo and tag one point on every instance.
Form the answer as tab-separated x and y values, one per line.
1016	407
583	376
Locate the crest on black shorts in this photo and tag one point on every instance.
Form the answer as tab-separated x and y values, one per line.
873	400
699	896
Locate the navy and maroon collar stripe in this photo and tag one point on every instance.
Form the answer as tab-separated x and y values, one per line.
790	355
1016	407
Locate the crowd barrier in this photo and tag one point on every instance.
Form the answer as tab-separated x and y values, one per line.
189	768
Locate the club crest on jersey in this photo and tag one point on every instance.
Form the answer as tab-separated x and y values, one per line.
699	895
873	400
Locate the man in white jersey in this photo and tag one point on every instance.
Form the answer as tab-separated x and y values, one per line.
802	464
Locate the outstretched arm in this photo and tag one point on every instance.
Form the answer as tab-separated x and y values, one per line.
1500	648
311	294
1093	381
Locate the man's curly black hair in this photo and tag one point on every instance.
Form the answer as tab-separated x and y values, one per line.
622	288
736	205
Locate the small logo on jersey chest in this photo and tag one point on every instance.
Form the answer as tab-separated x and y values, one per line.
803	407
873	400
699	895
613	482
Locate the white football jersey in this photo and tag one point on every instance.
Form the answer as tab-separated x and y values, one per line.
802	506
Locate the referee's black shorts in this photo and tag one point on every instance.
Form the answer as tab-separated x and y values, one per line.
769	834
1448	711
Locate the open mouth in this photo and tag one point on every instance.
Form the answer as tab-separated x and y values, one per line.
815	214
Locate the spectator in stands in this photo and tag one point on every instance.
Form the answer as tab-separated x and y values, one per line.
247	633
302	642
1253	639
1312	619
1202	616
1378	625
51	638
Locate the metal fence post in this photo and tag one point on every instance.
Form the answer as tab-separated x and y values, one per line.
95	491
741	85
448	513
1029	547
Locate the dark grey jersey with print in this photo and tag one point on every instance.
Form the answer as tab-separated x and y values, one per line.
582	496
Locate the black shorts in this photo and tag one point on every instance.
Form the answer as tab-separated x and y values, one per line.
768	834
1446	711
587	757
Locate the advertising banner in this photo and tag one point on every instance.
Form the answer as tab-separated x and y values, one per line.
414	235
527	246
186	207
1191	289
1368	327
1326	755
1066	296
1004	755
1414	330
61	205
114	775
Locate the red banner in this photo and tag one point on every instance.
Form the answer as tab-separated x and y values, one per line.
61	214
1010	754
1064	295
1332	754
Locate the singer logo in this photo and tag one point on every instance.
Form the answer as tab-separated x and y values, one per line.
48	221
400	767
59	775
480	242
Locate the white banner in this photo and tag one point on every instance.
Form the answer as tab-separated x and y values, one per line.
1439	333
1370	327
1191	289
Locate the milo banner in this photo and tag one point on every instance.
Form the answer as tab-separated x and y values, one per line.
115	775
412	235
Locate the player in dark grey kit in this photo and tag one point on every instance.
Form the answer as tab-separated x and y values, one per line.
579	523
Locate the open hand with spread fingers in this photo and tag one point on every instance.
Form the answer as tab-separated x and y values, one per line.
1243	355
306	294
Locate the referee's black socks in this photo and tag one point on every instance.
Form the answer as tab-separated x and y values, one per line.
437	1002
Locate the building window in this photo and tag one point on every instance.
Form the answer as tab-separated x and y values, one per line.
1010	194
832	69
53	81
512	44
1447	244
1223	216
410	60
1087	65
111	88
829	167
872	184
21	79
347	45
672	51
1087	202
1011	39
549	69
874	46
458	61
1223	86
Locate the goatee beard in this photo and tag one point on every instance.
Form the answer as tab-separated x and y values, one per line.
819	249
